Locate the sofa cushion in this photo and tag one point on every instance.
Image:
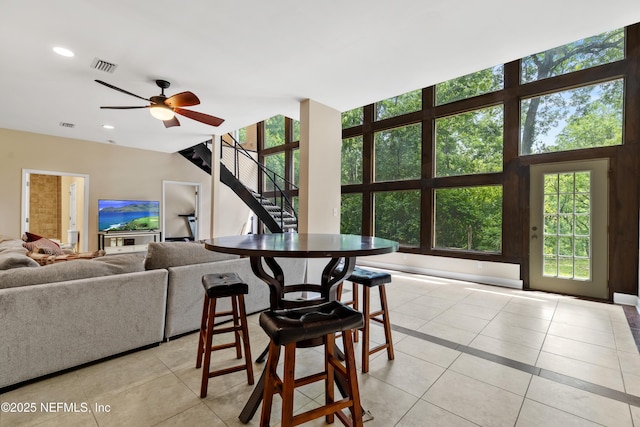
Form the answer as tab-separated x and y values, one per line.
63	271
4	238
174	254
12	245
10	260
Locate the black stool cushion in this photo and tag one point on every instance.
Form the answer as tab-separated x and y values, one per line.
221	285
298	324
368	277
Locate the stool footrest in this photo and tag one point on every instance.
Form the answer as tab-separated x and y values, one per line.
227	329
223	346
227	371
376	319
378	348
331	408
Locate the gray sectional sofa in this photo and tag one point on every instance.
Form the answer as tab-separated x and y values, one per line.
67	314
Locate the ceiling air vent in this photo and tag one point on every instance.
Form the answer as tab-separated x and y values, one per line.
105	66
67	125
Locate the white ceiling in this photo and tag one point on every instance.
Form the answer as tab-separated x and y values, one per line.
253	59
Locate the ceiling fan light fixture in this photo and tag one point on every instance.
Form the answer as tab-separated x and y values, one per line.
161	113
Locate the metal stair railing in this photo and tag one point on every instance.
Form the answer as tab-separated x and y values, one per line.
251	180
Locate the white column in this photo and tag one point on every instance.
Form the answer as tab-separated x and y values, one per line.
320	155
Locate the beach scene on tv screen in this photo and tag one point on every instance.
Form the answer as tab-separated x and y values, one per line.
128	215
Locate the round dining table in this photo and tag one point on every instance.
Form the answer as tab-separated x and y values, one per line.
341	250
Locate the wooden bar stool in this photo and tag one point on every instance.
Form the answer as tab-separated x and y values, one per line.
294	327
221	286
369	279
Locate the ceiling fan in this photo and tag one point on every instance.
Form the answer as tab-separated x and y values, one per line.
165	108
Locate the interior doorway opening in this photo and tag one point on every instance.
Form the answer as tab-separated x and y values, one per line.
56	205
181	211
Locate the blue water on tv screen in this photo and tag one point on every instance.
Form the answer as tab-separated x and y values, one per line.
128	215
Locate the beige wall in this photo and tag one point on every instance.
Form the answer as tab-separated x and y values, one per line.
114	172
320	162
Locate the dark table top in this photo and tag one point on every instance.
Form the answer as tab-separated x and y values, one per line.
299	245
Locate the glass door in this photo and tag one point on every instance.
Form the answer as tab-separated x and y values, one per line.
568	228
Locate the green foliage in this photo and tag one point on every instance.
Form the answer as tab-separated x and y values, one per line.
398	105
474	84
275	163
469	218
397	216
589	116
351	160
274	132
567	225
590	52
398	153
351	214
470	142
352	118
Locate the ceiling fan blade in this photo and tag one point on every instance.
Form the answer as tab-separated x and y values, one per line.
123	108
120	90
182	99
200	117
171	122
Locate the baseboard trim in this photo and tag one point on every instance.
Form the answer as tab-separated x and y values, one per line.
626	299
487	280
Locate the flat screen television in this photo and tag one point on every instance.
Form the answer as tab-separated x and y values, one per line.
128	215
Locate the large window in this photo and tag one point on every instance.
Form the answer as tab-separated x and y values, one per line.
398	105
474	84
274	132
352	160
398	153
278	149
590	52
589	116
469	218
397	216
470	142
351	214
444	169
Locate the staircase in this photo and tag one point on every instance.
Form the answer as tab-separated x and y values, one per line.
276	213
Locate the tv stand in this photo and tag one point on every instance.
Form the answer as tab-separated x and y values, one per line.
116	242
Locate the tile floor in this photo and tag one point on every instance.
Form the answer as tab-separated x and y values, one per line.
466	354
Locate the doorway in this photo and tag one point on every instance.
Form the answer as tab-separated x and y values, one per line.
568	228
51	201
180	210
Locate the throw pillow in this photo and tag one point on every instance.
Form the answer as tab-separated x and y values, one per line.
30	237
44	244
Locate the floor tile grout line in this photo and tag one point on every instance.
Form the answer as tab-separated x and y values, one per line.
525	367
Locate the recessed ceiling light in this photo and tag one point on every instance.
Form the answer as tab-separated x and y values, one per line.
63	51
107	126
